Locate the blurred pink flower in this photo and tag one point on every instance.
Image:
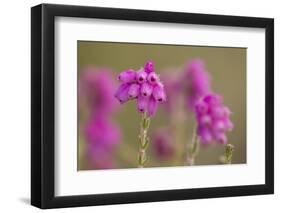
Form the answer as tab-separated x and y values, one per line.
143	85
102	137
162	145
213	119
97	87
196	82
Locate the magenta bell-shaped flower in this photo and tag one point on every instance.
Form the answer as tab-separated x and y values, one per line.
153	78
145	86
142	103
134	90
127	76
159	93
213	119
141	76
122	93
146	89
152	106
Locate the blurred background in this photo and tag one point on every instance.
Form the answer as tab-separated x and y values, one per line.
99	64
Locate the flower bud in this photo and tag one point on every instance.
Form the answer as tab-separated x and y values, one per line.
149	67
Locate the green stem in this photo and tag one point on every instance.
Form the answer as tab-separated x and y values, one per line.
193	149
143	140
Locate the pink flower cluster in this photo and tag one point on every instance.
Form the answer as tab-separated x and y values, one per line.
143	85
197	82
213	119
97	87
212	116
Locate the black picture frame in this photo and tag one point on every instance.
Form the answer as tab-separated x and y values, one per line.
43	105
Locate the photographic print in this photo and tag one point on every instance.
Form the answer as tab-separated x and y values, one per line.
159	105
133	106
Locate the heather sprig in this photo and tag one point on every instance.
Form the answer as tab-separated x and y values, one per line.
145	87
212	116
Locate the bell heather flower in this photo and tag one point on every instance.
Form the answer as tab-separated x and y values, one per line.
153	78
142	104
127	76
198	82
159	93
122	93
133	91
143	85
146	89
152	106
141	76
213	119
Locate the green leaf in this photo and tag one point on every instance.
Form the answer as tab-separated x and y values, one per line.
146	143
145	123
